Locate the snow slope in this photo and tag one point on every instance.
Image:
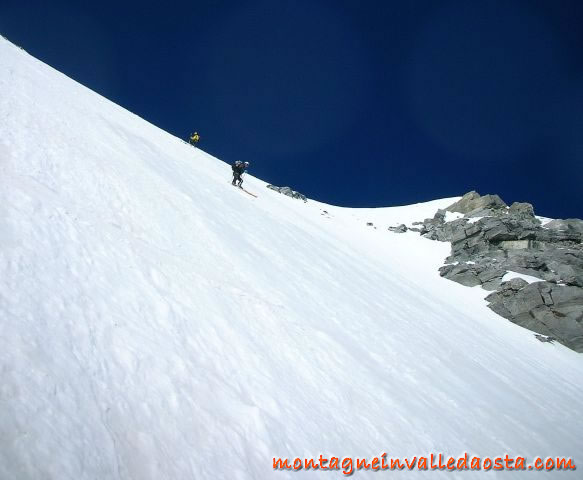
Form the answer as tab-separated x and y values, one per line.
157	323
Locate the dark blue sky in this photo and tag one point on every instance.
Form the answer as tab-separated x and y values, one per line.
357	103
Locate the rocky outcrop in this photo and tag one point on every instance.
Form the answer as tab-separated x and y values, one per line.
492	239
289	192
399	228
544	307
569	225
471	204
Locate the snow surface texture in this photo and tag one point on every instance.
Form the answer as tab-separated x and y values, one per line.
451	216
527	278
157	323
544	220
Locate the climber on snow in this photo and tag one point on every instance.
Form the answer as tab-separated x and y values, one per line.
238	169
194	138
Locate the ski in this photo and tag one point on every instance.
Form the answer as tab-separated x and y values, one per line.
246	191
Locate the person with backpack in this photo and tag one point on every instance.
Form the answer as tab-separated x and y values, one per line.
238	168
194	138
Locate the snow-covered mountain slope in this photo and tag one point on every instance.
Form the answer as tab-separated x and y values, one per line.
157	323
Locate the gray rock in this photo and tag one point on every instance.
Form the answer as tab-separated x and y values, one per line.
546	308
512	239
288	191
544	338
514	284
568	225
472	202
522	209
399	229
439	215
491	278
462	273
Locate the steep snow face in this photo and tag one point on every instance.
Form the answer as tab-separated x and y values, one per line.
157	323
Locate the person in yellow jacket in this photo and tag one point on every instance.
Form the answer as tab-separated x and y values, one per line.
194	138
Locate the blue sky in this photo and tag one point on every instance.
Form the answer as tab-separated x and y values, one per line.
360	103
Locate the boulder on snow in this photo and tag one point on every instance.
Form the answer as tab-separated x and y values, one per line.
545	308
289	192
544	338
399	228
